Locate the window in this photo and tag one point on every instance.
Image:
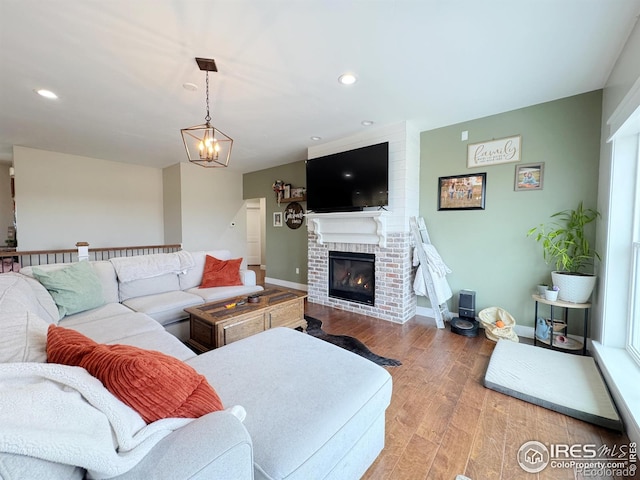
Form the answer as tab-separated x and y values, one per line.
633	339
621	271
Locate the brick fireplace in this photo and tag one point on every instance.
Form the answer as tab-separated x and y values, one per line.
383	234
394	297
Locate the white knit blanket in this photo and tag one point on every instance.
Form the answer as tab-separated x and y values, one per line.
435	262
438	270
63	414
149	266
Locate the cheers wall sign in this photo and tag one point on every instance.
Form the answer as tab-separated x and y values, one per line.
492	152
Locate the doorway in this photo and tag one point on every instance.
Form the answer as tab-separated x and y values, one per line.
256	231
7	207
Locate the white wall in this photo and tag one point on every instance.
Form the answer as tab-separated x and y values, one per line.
211	201
172	204
62	199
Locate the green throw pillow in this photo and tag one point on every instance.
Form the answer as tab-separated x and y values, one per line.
74	289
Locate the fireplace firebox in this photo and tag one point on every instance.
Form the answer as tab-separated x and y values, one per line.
352	276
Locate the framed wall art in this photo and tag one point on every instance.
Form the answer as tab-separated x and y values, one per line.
493	152
297	192
462	192
277	219
529	177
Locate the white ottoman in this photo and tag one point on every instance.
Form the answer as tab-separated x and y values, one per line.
314	410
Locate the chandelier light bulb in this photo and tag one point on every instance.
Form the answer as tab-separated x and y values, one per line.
209	147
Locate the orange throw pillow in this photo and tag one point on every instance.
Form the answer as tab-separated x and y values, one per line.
154	384
221	273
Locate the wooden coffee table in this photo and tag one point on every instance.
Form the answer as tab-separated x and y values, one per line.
213	325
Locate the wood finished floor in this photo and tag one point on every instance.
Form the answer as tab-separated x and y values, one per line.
442	421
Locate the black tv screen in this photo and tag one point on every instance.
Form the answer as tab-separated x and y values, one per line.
349	181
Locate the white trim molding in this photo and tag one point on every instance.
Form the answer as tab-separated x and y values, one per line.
286	283
618	121
350	227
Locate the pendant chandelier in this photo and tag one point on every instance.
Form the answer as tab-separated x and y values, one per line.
206	145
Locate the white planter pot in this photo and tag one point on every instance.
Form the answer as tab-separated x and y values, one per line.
574	288
541	289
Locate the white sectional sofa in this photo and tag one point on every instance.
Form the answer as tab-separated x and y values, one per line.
313	410
162	297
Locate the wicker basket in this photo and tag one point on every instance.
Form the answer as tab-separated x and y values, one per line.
558	325
489	316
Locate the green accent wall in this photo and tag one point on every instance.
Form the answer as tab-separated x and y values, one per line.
488	250
286	248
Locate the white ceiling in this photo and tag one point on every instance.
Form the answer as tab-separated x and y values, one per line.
119	66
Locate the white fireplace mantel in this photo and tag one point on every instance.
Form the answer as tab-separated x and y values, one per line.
369	227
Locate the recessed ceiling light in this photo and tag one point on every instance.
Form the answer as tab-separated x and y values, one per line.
315	138
46	93
367	123
347	79
192	87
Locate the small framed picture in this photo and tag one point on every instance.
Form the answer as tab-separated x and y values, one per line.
277	219
529	177
462	192
287	190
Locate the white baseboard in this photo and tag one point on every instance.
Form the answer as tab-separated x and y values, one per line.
528	332
285	283
425	312
522	331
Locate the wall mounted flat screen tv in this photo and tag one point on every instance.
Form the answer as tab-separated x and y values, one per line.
349	181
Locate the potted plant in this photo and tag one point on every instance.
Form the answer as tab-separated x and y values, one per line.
565	243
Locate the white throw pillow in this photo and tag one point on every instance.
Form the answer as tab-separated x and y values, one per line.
23	336
48	309
29	295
